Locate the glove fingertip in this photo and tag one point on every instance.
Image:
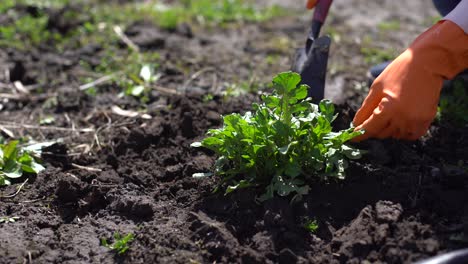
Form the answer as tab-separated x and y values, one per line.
311	4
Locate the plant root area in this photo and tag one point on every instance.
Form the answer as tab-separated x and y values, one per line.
110	172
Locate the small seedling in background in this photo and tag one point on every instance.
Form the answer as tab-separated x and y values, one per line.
311	225
453	107
207	98
461	238
375	54
91	91
389	25
120	245
139	86
7	219
47	120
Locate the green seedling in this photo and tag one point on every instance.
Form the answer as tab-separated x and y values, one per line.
461	238
453	106
15	160
226	11
7	219
139	86
207	98
120	245
284	143
389	25
311	225
373	55
47	120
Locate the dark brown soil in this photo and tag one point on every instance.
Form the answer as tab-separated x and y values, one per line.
403	202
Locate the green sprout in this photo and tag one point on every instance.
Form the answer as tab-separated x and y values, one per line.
453	107
120	245
311	225
15	160
8	219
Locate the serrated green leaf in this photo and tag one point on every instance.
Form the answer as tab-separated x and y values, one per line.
33	167
284	186
328	109
351	153
293	169
301	92
284	150
9	151
240	185
286	81
271	101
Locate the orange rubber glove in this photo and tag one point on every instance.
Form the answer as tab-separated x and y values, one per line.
311	4
402	101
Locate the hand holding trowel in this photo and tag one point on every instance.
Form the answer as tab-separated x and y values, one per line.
311	61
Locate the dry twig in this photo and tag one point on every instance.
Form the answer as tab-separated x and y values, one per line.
85	168
99	81
17	191
195	76
13	125
118	30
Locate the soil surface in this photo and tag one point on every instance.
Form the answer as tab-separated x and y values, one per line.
401	203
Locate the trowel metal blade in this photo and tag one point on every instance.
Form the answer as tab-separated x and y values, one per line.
312	67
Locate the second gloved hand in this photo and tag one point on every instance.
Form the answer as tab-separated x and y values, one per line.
402	101
311	4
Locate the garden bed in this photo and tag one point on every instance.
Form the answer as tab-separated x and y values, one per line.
404	201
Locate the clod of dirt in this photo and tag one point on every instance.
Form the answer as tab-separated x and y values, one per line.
172	172
65	19
216	238
278	213
18	72
381	226
185	30
70	99
213	117
146	35
135	207
56	155
388	212
200	163
187	128
110	176
68	189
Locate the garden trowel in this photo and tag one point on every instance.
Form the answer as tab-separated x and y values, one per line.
311	61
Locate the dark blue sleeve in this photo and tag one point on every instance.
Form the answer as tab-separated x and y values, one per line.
445	6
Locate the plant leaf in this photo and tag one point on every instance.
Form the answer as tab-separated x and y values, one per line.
146	73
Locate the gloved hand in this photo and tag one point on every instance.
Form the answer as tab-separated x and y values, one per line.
402	101
311	4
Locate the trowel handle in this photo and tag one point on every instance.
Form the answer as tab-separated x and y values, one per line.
321	10
320	15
